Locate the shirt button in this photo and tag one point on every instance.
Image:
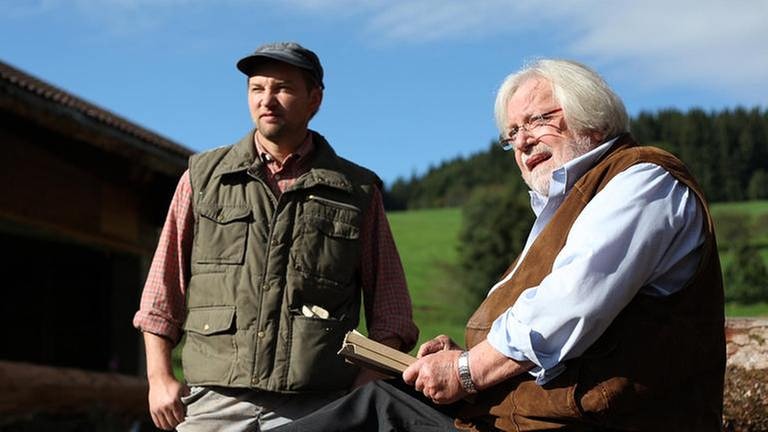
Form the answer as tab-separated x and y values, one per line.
260	334
206	327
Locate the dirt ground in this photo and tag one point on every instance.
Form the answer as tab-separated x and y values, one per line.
745	399
745	403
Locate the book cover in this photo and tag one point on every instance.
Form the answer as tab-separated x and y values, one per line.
367	353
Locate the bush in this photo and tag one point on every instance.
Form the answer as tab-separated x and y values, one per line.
496	221
730	229
746	277
758	185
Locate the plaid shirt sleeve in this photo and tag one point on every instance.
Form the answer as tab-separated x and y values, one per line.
388	309
163	307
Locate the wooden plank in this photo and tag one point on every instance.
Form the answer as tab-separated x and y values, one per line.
30	389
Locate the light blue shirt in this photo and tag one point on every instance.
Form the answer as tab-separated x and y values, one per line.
643	230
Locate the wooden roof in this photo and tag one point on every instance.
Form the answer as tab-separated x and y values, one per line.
50	107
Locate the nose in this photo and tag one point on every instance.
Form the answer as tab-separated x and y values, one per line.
268	98
524	140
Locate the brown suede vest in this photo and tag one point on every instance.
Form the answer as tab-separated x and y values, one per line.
660	364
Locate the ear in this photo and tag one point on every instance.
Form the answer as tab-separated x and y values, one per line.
597	137
315	98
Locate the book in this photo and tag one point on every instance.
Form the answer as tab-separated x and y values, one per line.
367	353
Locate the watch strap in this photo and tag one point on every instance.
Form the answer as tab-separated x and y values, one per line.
465	376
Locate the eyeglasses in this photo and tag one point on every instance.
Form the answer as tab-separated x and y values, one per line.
540	120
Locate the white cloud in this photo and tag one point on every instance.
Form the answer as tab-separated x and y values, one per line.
715	43
682	41
23	9
700	42
422	20
121	17
430	20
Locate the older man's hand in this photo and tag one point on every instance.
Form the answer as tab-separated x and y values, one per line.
439	343
435	374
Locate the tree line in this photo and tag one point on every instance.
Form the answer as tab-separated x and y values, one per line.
727	152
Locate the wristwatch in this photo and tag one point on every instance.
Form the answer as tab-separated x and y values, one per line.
464	375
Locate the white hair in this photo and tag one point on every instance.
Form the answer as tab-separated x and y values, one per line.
589	106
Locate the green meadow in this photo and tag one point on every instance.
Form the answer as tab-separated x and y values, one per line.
428	244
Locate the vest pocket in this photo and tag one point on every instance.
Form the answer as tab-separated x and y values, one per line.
314	364
221	234
209	350
597	387
327	248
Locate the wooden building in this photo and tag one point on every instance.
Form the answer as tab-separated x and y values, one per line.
84	195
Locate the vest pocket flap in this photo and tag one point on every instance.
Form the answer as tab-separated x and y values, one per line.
226	214
334	228
210	320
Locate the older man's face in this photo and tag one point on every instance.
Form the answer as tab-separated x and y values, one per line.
545	145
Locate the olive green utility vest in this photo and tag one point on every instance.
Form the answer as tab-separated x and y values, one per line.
660	364
257	260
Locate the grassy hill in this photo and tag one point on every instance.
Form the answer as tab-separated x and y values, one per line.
428	244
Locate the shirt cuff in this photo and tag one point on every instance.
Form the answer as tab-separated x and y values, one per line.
157	325
513	339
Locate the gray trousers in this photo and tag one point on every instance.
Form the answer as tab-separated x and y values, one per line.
233	409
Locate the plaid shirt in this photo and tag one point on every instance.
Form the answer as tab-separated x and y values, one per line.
387	303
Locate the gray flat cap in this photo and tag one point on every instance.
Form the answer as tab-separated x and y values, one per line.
286	52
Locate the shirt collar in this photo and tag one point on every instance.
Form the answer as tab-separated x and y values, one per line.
566	176
304	149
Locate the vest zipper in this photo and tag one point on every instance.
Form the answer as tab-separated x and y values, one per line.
260	348
333	203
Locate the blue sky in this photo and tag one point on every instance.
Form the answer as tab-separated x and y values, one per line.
409	83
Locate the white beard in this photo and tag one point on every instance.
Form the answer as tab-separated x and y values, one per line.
538	180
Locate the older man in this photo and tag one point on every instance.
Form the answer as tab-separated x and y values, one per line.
269	246
612	316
